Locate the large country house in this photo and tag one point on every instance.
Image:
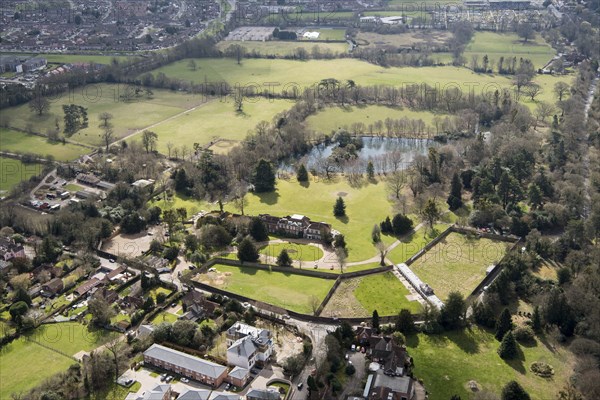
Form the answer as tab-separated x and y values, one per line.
296	225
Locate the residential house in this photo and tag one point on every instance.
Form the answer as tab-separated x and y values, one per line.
238	376
87	179
248	345
33	64
194	313
144	331
194	394
224	396
195	297
263	394
87	286
196	368
363	335
383	387
52	287
160	392
110	296
9	249
394	359
115	275
296	225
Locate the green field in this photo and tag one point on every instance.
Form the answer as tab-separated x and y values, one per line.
129	116
287	74
25	364
359	297
496	45
214	120
457	263
299	252
365	206
447	362
13	171
19	142
294	292
77	58
277	48
334	118
322	17
413	243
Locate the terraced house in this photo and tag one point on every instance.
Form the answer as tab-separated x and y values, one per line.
296	225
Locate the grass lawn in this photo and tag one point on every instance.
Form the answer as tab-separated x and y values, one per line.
447	362
496	45
71	187
165	317
20	142
294	292
13	171
128	116
358	297
384	293
413	243
206	124
365	206
457	263
77	58
403	39
300	252
334	118
158	290
302	74
24	364
548	270
277	48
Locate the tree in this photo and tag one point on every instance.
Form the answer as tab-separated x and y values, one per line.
312	384
431	213
39	103
107	134
370	170
75	118
149	140
508	349
247	251
405	322
401	224
264	177
17	311
452	314
239	197
455	198
536	320
525	31
258	230
532	90
302	174
513	391
376	234
503	324
375	321
395	182
238	99
191	65
339	209
535	196
105	118
341	255
561	89
101	311
284	260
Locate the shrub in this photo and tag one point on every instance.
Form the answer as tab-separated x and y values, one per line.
350	370
542	369
524	334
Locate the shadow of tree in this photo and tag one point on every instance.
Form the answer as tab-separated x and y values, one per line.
464	340
412	340
269	198
517	363
305	184
343	220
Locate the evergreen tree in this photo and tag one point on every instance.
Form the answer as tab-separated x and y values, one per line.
455	198
376	234
284	260
451	316
370	170
536	320
405	322
508	349
247	251
514	391
258	230
339	209
302	174
386	226
431	213
312	384
401	224
535	196
503	324
375	320
264	177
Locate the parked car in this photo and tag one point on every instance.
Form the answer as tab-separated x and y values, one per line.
300	385
192	267
346	357
169	379
228	386
353	348
163	377
184	380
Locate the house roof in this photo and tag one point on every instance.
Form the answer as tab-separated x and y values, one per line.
54	285
224	396
87	286
183	360
158	393
264	394
240	329
401	385
194	394
239	373
243	347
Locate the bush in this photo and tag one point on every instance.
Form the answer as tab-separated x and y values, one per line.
161	297
401	224
542	369
350	370
524	334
